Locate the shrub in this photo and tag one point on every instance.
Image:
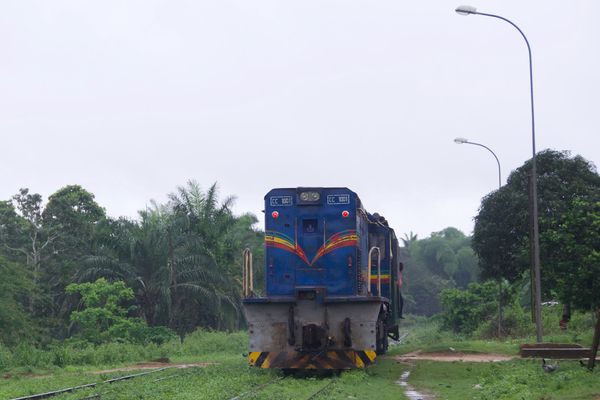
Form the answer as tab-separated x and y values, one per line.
105	320
516	322
465	310
206	342
5	358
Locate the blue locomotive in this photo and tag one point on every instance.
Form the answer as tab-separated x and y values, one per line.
333	278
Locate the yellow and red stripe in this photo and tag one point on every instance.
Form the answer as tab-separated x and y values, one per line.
281	241
341	239
385	278
338	240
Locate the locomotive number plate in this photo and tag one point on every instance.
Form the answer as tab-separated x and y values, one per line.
280	201
335	199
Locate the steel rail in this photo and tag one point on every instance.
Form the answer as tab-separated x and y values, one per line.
322	389
89	385
256	389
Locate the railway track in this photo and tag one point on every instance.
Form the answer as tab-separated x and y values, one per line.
322	389
255	392
46	395
108	388
181	373
256	389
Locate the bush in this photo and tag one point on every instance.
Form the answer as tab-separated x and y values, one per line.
516	322
5	358
105	320
207	342
141	333
465	310
60	356
26	355
157	342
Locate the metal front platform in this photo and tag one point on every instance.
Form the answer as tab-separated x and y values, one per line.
334	359
310	334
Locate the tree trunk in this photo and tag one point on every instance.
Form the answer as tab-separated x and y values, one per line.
594	349
566	317
499	308
174	311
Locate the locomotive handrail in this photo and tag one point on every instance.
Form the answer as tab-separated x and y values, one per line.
247	287
378	270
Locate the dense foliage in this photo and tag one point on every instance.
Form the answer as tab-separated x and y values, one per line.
574	248
14	286
443	261
474	311
178	264
502	226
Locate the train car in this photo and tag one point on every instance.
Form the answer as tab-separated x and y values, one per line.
332	290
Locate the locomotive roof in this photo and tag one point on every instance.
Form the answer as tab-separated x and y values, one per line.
299	188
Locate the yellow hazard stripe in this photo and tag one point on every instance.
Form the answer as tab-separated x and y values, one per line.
253	356
358	361
371	354
336	359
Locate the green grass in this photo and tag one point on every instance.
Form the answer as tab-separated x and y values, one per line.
425	335
26	358
518	380
233	378
28	384
28	370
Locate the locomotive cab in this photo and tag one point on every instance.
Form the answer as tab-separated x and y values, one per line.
330	273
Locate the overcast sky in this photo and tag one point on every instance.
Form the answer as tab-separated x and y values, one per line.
132	98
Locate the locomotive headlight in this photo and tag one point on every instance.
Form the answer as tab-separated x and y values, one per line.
310	196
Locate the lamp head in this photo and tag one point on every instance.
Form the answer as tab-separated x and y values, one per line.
465	10
460	140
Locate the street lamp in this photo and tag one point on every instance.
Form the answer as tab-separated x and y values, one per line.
459	140
468	10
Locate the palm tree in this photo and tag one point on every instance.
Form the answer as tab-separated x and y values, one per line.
207	225
179	259
408	239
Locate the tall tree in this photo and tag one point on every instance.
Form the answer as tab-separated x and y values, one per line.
27	239
574	251
442	261
74	217
210	232
31	226
180	259
73	212
15	286
501	234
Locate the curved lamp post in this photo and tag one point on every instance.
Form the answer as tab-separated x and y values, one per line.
459	140
468	10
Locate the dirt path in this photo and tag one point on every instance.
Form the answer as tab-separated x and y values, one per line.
450	356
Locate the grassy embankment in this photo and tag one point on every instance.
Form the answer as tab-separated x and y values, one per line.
27	370
228	377
518	379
